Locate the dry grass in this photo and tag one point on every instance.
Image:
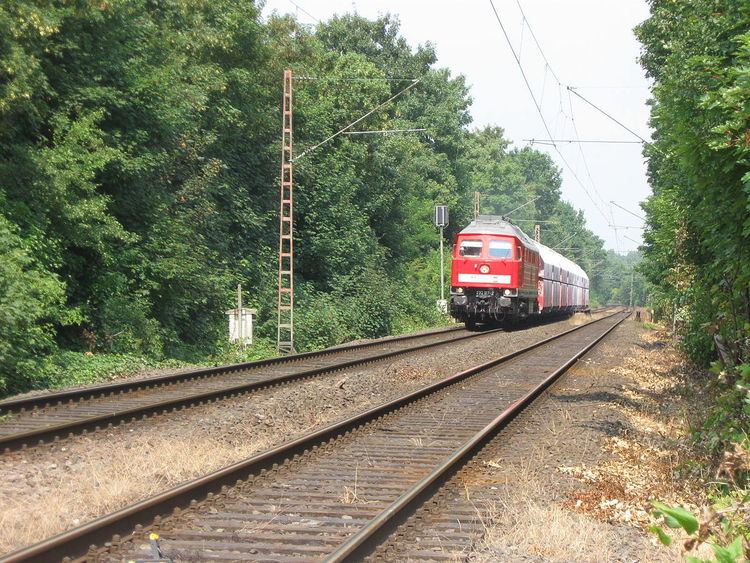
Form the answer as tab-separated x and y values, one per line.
579	319
95	484
350	495
544	530
644	463
521	520
409	373
418	442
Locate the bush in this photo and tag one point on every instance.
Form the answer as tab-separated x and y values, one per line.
31	299
82	368
368	304
698	327
125	319
233	353
320	322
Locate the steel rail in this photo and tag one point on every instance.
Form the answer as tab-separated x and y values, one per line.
54	432
111	527
364	542
58	397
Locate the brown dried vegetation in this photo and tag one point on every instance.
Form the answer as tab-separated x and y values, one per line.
654	459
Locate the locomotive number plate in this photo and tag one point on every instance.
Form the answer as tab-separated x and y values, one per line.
482	293
483	278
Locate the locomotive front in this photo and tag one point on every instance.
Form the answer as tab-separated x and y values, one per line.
486	275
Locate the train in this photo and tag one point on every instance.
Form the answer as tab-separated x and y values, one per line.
499	274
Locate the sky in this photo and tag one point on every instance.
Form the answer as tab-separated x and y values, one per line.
585	44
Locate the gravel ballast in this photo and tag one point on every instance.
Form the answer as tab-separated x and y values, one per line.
55	487
530	495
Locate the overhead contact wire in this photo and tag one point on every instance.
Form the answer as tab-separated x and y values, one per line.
600	110
353	123
536	104
523	73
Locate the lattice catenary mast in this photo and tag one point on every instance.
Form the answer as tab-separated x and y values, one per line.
285	324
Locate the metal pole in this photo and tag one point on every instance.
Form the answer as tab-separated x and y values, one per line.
632	277
285	304
239	314
442	268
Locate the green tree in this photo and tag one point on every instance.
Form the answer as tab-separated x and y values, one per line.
139	147
698	238
31	301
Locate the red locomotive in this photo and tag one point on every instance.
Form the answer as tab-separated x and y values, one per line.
498	273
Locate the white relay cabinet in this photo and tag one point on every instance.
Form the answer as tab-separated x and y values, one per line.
241	325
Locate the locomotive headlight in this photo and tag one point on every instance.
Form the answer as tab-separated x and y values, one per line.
459	290
507	292
484	268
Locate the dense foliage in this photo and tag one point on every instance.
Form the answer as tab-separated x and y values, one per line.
139	146
697	252
698	237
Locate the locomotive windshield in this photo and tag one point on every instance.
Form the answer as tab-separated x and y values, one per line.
470	248
501	249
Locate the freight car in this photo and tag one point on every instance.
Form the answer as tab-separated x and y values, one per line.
500	274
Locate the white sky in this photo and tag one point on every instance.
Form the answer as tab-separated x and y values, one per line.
589	45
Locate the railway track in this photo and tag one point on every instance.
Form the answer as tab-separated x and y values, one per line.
479	500
49	417
337	493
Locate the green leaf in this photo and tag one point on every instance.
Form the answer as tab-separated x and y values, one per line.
729	554
671	522
677	517
664	538
722	555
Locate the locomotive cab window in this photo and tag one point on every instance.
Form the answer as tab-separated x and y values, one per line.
470	248
501	249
